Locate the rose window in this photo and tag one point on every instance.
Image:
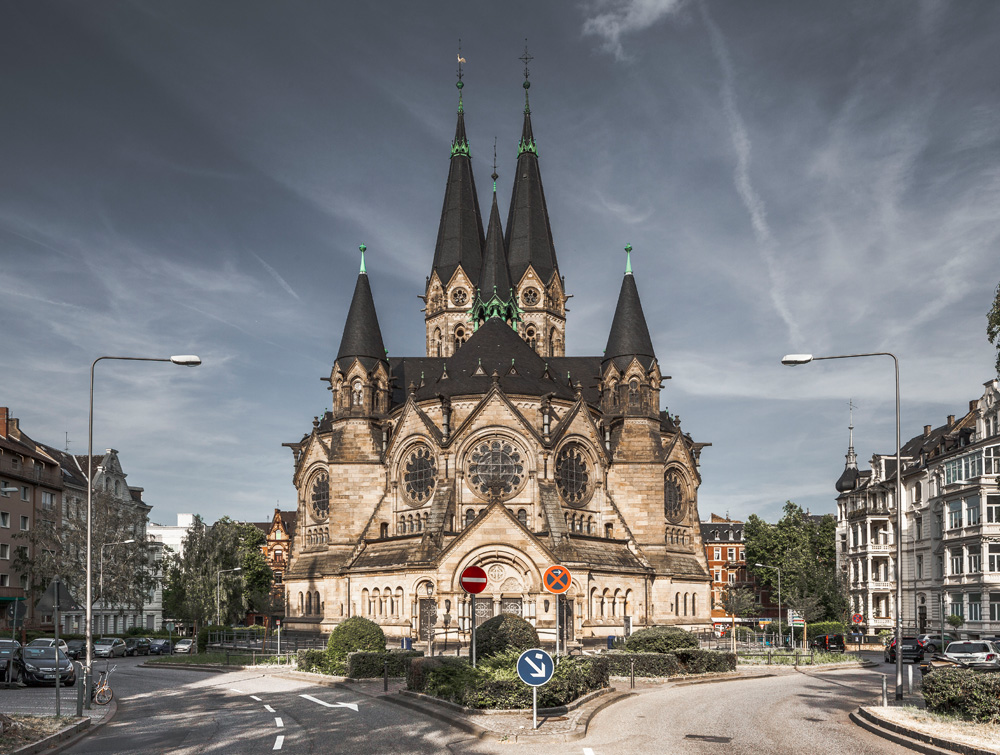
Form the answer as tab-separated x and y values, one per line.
573	474
673	500
320	496
418	475
530	296
496	467
459	297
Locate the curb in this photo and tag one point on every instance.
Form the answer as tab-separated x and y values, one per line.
192	667
910	738
43	744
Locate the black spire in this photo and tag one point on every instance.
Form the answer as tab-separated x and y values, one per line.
362	336
495	295
629	334
460	238
849	478
529	237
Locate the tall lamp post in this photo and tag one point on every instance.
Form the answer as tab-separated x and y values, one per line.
765	566
218	593
793	359
108	545
188	360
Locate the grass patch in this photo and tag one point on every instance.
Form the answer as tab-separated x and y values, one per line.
29	729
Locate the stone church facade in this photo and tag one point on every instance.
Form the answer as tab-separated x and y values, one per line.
496	449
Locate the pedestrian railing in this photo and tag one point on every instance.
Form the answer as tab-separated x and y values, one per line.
776	657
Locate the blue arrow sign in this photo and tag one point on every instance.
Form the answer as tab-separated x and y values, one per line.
535	667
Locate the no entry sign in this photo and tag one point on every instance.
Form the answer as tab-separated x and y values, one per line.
473	580
556	580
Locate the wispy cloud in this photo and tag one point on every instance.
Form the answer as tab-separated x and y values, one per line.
274	273
741	176
612	19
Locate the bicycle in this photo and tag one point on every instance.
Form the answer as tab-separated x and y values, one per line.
101	692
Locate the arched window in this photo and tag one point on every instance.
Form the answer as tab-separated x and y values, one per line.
425	520
685	604
917	493
118	487
301	602
398	603
677	604
522	517
437	341
401	527
633	393
418	523
409	523
459	337
384	529
609	530
279	556
366	605
316	602
694	604
531	336
387	596
590	525
309	603
470	514
357	393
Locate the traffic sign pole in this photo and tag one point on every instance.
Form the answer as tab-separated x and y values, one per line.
473	630
557	629
534	707
473	580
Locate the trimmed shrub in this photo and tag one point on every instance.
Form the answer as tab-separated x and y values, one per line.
826	627
362	665
353	634
660	640
697	661
503	633
646	664
318	662
963	692
443	676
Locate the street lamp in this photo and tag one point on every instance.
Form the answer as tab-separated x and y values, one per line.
188	360
108	545
794	359
218	593
765	566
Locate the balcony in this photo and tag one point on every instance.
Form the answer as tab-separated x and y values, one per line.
881	547
879	586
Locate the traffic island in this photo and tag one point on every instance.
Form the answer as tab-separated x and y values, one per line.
924	732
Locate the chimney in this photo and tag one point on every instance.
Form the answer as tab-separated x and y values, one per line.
3	421
951	420
927	431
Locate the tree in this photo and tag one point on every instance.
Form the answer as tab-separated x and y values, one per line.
993	325
956	621
737	602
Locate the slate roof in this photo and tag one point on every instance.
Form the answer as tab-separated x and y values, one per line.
602	553
678	564
721	532
460	238
362	336
629	335
529	236
495	279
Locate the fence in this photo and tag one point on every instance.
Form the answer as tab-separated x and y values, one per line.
251	640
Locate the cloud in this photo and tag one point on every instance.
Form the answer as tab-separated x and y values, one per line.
612	19
281	281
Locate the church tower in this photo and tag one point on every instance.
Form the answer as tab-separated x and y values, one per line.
534	271
458	254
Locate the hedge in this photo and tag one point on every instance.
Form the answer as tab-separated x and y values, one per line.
685	661
660	640
319	662
364	665
502	633
974	695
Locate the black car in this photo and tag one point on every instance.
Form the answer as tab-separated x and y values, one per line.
831	643
160	647
7	648
137	646
38	666
76	649
913	651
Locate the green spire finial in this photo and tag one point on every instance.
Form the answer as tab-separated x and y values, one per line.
527	84
363	248
628	259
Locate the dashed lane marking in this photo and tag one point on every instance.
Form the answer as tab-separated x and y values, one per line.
352	706
279	723
278	742
587	751
254	697
269	709
237	691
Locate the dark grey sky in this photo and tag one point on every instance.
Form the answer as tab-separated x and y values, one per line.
192	177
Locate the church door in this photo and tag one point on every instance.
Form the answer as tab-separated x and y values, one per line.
428	615
484	610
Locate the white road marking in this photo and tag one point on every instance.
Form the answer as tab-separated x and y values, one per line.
279	723
237	691
269	709
278	742
587	751
254	697
352	706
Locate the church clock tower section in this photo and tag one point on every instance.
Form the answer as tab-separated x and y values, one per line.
534	271
458	254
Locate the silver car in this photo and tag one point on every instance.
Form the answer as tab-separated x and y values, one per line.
978	652
109	647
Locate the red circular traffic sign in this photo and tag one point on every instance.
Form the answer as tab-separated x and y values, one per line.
857	619
556	579
473	580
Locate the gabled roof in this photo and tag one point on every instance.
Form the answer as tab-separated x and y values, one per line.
629	335
362	337
529	236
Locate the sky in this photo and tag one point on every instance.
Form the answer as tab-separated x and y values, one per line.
195	178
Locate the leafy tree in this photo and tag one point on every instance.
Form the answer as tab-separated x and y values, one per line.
993	325
956	621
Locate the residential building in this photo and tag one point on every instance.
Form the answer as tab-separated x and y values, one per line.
279	536
722	538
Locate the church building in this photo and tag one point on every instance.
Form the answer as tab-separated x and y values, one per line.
493	448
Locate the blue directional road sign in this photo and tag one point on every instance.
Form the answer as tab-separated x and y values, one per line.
535	667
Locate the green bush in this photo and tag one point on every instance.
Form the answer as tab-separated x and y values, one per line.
503	633
826	627
443	676
363	665
963	692
204	632
319	662
683	661
660	640
353	634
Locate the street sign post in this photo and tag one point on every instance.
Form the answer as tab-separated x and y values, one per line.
473	580
557	580
535	668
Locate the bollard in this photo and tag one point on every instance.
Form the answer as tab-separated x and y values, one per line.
885	691
633	674
909	680
385	675
81	682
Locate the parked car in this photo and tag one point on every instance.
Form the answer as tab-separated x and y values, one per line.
932	643
136	646
913	651
109	647
831	643
160	647
7	648
47	642
76	649
37	665
974	652
184	646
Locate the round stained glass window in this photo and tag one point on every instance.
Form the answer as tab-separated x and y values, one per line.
496	467
673	499
459	297
530	296
419	470
573	474
319	496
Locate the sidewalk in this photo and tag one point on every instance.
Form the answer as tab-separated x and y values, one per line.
41	701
